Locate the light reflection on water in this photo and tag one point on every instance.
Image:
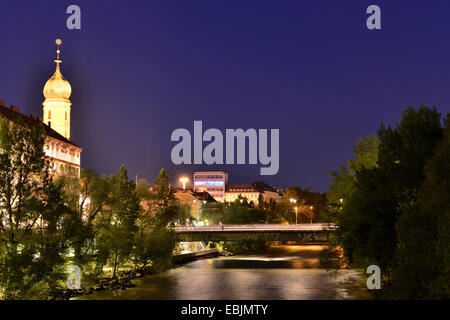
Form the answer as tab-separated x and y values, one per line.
281	272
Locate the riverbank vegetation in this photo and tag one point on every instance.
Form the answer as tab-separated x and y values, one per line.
110	228
392	203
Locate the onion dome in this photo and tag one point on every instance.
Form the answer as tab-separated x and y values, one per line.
57	86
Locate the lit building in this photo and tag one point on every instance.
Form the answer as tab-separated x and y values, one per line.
251	192
194	200
215	183
57	92
58	147
212	182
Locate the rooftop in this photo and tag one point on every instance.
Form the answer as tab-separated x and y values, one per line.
199	195
257	186
12	113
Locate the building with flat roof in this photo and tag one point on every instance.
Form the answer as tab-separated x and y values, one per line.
213	182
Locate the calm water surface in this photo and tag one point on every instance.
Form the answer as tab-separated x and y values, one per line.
280	272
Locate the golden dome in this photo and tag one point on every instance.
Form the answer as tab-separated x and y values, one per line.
57	86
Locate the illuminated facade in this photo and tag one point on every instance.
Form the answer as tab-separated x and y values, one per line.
215	183
212	182
251	192
58	147
57	92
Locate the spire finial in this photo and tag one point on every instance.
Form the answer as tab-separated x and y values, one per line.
58	61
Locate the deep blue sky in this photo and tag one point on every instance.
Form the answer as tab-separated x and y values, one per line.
140	69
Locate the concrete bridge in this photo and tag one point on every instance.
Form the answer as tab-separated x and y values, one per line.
316	232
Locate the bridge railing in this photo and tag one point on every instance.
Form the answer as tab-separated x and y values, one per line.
259	227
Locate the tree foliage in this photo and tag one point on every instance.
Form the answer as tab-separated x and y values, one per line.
117	222
32	216
394	204
49	221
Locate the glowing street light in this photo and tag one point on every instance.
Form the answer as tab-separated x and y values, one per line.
184	180
294	201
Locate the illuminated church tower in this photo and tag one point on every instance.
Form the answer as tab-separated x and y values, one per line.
57	91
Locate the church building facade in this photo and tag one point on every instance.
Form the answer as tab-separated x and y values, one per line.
61	151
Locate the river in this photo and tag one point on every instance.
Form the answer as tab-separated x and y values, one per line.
280	272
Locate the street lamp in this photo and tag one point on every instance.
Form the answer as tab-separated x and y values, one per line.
296	215
184	180
294	201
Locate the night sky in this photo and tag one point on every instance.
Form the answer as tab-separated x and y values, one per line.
140	69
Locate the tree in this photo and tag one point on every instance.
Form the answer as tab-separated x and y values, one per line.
344	183
240	211
422	264
344	200
213	212
155	241
164	205
32	216
86	196
309	204
117	223
272	211
382	218
397	180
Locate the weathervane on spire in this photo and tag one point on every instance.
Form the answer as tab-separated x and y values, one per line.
58	61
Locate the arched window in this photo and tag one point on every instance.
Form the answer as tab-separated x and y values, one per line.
49	114
66	117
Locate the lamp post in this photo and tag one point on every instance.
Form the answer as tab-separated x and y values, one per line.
184	180
294	201
296	215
